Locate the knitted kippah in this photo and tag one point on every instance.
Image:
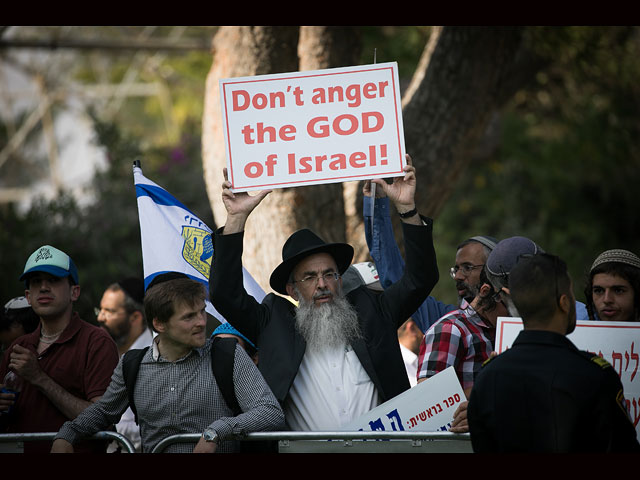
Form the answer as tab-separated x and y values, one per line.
617	256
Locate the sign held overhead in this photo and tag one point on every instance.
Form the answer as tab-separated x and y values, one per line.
307	128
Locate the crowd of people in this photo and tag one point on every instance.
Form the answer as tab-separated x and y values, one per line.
331	342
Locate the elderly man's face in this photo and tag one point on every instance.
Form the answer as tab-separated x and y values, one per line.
316	279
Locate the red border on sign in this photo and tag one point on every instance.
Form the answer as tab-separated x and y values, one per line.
336	179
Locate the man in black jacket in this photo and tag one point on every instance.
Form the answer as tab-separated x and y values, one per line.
335	356
543	394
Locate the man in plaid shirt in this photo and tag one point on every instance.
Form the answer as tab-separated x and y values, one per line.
463	338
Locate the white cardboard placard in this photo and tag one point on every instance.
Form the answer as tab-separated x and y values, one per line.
427	407
306	128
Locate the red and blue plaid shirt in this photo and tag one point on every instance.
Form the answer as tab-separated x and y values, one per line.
461	339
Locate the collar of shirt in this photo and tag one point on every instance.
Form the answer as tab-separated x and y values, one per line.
155	352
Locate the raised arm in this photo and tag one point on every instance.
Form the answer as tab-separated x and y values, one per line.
386	255
239	206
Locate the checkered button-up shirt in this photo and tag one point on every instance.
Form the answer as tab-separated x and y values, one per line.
183	397
461	339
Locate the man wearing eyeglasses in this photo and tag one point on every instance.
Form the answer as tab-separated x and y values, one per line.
335	356
121	313
471	256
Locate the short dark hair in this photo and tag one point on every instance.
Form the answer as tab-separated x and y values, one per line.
536	283
160	300
630	273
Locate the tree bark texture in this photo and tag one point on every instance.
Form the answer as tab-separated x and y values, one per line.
464	76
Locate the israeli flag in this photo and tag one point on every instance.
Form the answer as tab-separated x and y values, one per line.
174	239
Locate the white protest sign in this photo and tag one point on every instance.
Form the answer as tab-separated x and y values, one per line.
306	128
427	407
616	342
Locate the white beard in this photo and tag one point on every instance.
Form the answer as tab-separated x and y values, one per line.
328	325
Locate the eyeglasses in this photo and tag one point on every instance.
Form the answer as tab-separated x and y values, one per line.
312	280
466	268
107	313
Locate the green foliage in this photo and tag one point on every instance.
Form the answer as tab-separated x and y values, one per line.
568	160
402	44
103	238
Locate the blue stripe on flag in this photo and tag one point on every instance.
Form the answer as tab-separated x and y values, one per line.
159	195
149	278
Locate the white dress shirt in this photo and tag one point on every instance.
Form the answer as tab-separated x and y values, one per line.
331	389
410	364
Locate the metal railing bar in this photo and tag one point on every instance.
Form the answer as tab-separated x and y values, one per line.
49	436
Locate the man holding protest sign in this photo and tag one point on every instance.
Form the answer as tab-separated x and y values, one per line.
543	394
335	356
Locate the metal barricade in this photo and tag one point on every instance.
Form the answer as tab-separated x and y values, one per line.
349	442
14	442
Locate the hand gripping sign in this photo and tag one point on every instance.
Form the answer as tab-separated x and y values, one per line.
306	128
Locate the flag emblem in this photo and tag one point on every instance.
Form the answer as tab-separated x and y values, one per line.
197	249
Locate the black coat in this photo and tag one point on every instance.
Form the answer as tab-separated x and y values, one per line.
270	325
545	395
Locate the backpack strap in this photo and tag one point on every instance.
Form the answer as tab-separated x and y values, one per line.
130	366
223	351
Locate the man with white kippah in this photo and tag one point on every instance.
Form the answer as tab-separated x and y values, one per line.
65	364
613	287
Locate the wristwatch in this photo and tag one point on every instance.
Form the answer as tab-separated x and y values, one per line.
210	435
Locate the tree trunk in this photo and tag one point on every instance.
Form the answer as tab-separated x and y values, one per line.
245	51
464	77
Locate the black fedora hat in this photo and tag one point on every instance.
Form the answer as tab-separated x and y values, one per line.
301	244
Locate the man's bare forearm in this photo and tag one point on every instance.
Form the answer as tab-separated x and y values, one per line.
70	405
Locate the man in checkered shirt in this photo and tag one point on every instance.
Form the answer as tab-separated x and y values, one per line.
176	391
463	338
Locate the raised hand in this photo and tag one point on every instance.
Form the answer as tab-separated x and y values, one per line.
238	205
402	191
366	190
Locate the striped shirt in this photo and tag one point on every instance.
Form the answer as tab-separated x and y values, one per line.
461	339
183	397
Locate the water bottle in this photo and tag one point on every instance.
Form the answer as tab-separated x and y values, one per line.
12	383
